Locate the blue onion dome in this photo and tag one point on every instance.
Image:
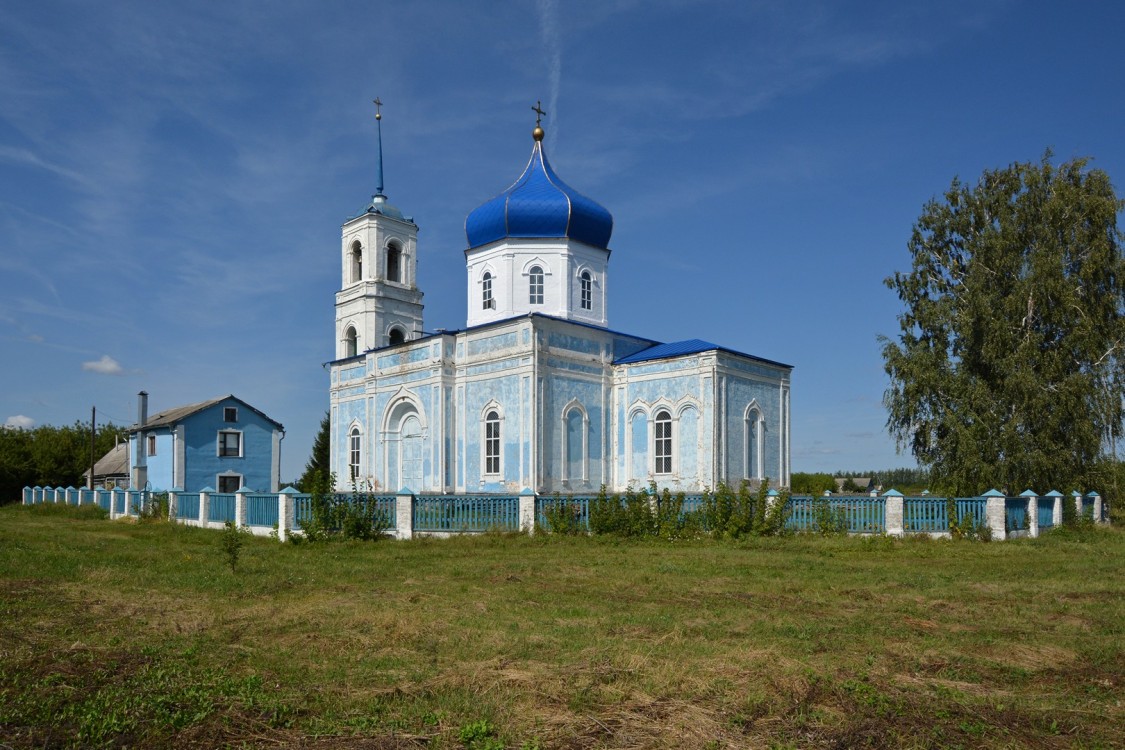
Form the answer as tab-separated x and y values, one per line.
539	205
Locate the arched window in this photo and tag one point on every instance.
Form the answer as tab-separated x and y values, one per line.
586	287
575	443
535	285
394	263
487	302
357	262
351	342
396	336
354	452
492	442
662	442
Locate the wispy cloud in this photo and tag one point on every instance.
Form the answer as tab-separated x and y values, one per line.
107	365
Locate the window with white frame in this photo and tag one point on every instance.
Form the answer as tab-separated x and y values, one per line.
535	285
492	442
228	483
230	444
586	290
662	442
230	413
487	302
355	442
151	445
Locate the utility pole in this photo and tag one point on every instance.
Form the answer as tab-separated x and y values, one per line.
93	432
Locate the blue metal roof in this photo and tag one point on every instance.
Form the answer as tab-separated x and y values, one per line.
539	205
672	349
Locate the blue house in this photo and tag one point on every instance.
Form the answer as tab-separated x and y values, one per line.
536	391
223	443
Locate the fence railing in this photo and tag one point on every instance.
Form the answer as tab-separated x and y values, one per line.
407	514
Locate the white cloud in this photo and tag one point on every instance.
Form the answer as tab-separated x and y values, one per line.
19	421
107	365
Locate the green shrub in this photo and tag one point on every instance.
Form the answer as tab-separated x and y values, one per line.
562	517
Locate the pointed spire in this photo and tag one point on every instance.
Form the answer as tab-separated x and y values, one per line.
379	158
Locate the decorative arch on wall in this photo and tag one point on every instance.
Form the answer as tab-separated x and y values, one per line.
395	335
753	440
544	266
404	433
575	441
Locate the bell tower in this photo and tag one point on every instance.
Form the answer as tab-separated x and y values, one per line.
379	303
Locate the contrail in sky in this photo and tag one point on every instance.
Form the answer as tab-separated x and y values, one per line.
552	49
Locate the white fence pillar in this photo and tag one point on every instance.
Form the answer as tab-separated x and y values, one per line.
204	505
1032	512
173	504
995	515
240	507
894	513
404	514
285	513
113	503
1056	507
1097	507
527	511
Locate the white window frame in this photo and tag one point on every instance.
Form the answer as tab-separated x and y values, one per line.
657	457
485	440
586	290
351	341
241	444
536	281
488	301
355	453
228	475
355	257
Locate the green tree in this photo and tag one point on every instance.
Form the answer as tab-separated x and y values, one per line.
1008	368
318	460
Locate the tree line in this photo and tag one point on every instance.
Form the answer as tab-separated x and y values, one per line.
49	456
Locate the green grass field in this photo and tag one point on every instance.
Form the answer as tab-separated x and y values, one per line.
140	635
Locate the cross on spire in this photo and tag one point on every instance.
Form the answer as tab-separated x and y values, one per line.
378	104
538	110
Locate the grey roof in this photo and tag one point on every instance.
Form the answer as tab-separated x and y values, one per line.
173	416
114	463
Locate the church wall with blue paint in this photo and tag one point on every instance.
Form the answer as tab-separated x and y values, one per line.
535	391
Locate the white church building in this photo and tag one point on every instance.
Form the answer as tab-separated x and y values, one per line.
536	391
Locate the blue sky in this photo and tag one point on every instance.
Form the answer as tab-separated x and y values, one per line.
173	176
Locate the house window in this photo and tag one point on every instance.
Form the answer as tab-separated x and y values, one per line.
492	443
357	262
230	413
354	445
586	284
396	336
230	444
487	302
152	445
351	342
535	285
394	263
662	437
229	483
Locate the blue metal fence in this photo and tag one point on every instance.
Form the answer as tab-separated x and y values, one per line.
220	508
1015	513
187	505
861	513
924	514
1046	512
261	510
466	513
103	498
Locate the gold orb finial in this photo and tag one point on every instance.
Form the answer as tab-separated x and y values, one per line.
378	105
537	134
